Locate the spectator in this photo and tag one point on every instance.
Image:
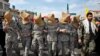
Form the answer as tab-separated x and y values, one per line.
2	37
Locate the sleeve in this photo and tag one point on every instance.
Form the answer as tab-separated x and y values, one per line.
4	25
32	28
58	27
18	29
18	23
70	29
80	31
45	27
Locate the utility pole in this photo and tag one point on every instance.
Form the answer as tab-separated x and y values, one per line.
67	8
13	7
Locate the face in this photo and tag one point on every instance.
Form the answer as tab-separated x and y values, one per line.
89	17
68	19
50	22
27	18
57	21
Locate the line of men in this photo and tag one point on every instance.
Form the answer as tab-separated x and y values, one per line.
61	38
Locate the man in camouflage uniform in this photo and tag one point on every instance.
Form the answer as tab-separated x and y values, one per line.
37	42
11	29
89	35
64	33
26	28
52	34
74	36
45	33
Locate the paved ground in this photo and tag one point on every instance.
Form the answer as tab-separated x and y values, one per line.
22	51
31	53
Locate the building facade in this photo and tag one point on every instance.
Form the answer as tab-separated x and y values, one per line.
4	5
96	12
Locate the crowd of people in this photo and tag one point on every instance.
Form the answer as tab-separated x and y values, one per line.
61	36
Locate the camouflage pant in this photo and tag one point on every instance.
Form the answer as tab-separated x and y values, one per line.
52	48
88	46
37	46
26	42
12	46
72	46
64	47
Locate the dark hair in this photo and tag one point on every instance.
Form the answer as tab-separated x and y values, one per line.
1	17
89	13
42	18
56	18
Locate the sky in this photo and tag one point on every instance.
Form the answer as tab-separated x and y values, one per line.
56	6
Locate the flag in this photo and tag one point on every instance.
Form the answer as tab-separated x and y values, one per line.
86	9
